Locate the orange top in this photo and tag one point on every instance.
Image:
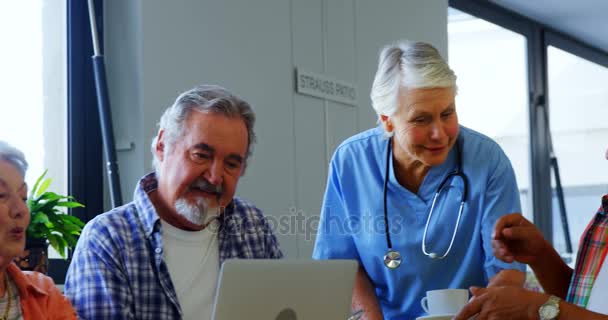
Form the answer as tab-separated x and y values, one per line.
39	297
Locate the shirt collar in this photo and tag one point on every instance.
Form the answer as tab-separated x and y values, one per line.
604	207
24	285
145	209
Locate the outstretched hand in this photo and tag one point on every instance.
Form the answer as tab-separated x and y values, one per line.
517	239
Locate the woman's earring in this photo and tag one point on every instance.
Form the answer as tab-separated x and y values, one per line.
387	123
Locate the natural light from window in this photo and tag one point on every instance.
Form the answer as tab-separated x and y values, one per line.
578	101
490	63
33	86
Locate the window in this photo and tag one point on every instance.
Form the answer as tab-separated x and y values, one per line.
491	65
565	78
33	82
578	101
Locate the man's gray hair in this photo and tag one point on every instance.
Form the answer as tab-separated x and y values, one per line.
13	156
208	99
409	65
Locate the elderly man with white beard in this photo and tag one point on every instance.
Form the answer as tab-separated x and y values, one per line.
158	257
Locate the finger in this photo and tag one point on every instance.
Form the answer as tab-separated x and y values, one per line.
477	291
470	309
483	315
501	251
504	257
512	219
500	245
519	233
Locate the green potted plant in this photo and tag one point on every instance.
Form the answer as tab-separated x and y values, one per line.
48	225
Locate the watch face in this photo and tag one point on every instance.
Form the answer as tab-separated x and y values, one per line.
548	312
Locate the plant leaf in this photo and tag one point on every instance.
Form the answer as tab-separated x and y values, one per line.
58	243
40	217
35	188
72	228
50	196
48	208
70	240
74	220
34	232
70	204
43	186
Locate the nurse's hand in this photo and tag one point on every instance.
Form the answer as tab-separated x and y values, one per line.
517	239
502	303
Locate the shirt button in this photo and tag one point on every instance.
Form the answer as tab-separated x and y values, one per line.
158	250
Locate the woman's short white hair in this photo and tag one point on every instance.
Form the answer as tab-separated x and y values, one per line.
208	99
409	65
13	156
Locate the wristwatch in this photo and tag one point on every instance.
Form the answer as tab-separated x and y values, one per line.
550	309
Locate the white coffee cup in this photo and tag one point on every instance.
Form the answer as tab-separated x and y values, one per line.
444	301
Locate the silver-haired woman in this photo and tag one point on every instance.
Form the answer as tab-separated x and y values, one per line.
23	295
415	199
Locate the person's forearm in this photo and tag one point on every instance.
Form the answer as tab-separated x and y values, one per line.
552	273
364	297
569	311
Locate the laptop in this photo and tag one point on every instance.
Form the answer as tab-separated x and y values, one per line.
284	289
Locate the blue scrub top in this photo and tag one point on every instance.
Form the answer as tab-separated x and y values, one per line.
352	219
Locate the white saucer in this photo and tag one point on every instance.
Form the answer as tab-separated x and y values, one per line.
437	317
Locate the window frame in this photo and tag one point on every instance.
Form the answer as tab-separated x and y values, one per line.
538	37
85	158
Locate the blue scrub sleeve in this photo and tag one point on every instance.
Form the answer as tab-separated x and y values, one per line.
334	241
501	198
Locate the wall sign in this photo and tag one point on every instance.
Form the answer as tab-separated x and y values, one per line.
321	86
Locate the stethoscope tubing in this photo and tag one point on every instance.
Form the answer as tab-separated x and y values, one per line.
394	264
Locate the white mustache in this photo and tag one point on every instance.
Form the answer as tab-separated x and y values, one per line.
207	186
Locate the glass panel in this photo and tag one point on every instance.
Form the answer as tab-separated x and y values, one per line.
490	62
33	84
578	101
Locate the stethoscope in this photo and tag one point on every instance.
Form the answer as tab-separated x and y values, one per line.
392	258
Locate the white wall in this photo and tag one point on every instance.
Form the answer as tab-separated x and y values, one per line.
156	49
123	55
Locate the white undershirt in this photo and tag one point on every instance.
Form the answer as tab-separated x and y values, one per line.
193	261
597	297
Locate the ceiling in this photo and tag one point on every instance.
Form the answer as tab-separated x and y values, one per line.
584	20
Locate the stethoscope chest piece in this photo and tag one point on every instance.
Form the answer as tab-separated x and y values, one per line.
392	259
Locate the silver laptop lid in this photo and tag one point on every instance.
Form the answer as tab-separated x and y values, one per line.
284	289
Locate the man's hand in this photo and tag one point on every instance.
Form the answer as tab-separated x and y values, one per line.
517	239
502	303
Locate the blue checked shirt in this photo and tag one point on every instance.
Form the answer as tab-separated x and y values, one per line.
118	272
